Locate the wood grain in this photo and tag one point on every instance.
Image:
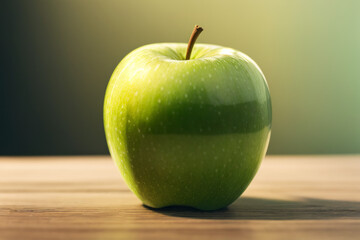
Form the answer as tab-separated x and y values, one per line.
304	197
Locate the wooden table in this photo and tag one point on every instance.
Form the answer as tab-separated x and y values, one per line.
304	197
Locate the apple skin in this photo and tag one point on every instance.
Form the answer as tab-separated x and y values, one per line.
187	132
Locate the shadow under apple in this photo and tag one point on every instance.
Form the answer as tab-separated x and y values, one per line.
248	208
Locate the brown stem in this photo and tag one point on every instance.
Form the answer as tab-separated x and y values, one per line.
196	32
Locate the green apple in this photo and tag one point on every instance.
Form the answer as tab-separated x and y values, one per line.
187	132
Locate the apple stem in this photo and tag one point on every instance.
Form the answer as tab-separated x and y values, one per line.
196	32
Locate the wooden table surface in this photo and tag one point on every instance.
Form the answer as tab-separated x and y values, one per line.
292	197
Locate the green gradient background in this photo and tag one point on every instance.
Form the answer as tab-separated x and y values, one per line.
57	57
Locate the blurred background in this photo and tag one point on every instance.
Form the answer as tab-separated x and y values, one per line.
57	57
